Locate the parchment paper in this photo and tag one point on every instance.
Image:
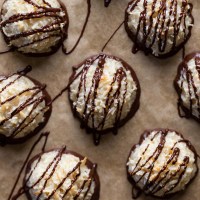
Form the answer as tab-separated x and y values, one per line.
158	100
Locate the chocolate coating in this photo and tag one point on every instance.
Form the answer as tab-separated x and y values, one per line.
41	12
41	88
164	174
186	84
153	28
119	76
92	177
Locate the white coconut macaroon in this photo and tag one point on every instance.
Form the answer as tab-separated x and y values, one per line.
159	27
162	164
104	93
34	27
24	107
187	85
60	174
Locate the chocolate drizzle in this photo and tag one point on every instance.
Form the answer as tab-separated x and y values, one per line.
111	37
33	101
52	30
43	135
185	75
88	115
159	28
164	176
7	51
52	166
25	189
82	31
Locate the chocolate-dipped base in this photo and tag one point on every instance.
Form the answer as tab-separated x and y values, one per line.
12	140
191	86
94	176
97	133
63	33
136	192
162	26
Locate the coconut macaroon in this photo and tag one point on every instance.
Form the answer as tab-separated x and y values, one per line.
162	164
60	174
187	84
104	93
34	27
24	107
159	27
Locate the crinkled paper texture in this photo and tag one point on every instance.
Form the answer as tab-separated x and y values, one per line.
158	99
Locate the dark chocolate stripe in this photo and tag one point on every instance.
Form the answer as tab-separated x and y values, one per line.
191	86
37	6
184	166
21	107
32	100
174	155
72	183
164	176
90	97
45	29
55	163
21	190
89	180
82	31
57	157
161	29
17	130
40	40
67	176
23	72
45	12
24	91
57	160
118	77
32	15
35	105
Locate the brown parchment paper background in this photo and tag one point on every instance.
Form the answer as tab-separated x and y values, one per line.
158	99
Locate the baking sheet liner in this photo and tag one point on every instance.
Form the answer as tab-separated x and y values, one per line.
158	107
